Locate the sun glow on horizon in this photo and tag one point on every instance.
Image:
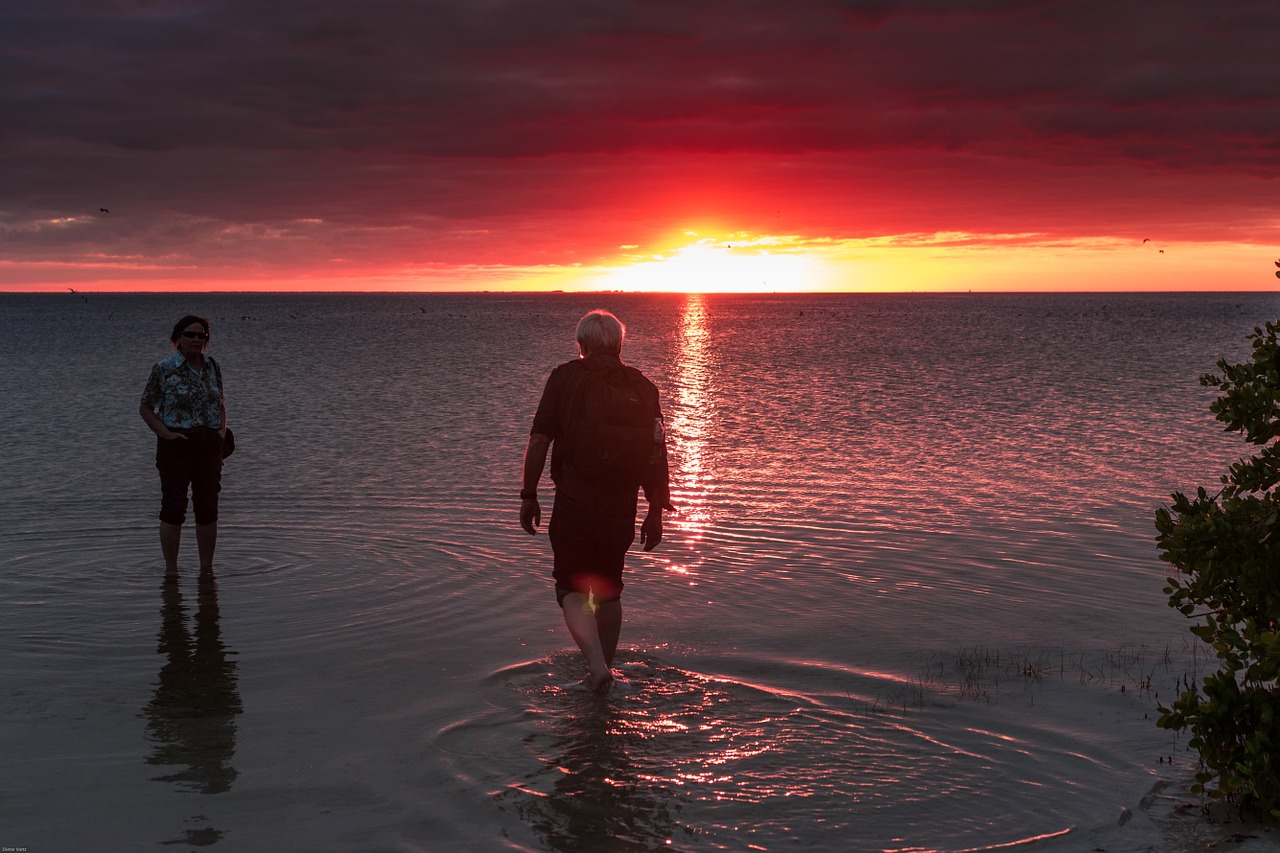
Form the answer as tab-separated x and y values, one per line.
732	265
693	262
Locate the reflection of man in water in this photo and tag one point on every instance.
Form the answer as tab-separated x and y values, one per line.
593	521
192	716
590	792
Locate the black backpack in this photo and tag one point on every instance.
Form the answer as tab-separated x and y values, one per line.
612	440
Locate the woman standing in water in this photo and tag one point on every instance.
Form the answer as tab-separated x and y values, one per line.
184	406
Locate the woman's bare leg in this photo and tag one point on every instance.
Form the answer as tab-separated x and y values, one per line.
170	539
206	541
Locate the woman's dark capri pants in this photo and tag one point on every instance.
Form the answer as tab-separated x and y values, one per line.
194	462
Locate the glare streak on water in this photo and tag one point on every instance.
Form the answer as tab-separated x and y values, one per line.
912	567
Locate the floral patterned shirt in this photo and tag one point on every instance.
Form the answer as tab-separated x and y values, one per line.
184	397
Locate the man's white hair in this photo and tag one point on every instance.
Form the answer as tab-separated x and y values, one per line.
599	330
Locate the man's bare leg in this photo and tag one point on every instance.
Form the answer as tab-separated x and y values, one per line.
581	621
170	539
206	541
609	627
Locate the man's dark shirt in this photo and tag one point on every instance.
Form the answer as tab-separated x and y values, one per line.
555	413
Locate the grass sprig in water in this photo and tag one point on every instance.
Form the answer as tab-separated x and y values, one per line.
977	673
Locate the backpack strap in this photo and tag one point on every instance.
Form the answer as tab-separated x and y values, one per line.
217	371
222	393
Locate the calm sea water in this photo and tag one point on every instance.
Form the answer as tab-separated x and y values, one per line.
911	600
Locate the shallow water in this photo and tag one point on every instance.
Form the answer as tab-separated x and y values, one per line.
911	600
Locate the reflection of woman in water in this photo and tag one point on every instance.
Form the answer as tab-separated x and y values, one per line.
184	405
192	715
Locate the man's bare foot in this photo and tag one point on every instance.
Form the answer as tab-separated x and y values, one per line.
600	683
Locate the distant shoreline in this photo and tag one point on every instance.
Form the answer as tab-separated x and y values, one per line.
797	293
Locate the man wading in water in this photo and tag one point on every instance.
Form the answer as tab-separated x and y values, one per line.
602	422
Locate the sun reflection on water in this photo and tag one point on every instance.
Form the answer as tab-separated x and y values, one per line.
690	420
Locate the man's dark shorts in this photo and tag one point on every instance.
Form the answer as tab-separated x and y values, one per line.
589	545
194	463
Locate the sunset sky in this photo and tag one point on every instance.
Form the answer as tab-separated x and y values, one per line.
194	145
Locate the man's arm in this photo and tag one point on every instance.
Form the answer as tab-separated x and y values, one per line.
535	459
657	491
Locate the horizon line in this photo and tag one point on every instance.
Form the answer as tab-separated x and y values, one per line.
966	292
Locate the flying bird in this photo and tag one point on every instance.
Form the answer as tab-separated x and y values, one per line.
1147	240
103	210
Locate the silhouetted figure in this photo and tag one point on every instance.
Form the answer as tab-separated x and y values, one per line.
185	407
603	424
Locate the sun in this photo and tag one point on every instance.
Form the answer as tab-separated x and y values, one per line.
710	265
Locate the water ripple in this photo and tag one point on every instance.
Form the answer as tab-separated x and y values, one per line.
679	756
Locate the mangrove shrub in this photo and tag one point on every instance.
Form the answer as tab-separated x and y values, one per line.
1225	549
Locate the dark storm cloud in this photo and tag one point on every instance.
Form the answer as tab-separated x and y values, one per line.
432	115
525	78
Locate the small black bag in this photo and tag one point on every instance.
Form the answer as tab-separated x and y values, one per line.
228	440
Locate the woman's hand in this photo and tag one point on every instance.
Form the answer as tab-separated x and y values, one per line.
157	426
